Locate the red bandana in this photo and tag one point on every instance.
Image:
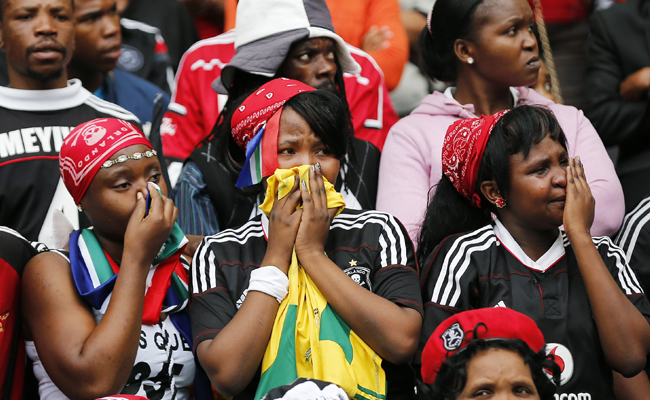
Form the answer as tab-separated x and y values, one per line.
90	144
260	106
462	152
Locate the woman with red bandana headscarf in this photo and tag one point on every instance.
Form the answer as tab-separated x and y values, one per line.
108	314
587	301
279	297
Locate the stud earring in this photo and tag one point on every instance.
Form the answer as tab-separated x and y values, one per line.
470	60
79	208
500	202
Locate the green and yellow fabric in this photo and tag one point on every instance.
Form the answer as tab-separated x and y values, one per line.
309	339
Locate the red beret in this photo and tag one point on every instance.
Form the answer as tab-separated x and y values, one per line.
457	331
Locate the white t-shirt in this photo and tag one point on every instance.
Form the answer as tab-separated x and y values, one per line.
151	370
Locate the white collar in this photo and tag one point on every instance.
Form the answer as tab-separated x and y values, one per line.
550	258
70	96
451	91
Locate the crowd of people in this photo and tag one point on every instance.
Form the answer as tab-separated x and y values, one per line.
324	199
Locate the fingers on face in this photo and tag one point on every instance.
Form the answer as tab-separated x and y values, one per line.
307	202
318	186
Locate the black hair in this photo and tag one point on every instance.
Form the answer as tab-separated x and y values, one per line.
325	114
516	132
452	377
450	20
324	111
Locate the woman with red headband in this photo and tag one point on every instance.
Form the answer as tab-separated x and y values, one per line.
487	51
109	314
308	289
578	289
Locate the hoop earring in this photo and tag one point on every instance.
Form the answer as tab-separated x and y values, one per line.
500	202
470	60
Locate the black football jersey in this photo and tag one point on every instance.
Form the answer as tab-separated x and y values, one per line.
487	268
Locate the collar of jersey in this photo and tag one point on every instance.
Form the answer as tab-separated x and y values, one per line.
70	96
550	258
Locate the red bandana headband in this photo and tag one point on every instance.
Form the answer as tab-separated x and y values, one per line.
260	106
462	152
90	145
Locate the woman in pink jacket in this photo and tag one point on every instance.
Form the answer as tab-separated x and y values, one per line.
488	49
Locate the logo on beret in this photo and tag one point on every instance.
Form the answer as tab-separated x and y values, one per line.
452	338
93	134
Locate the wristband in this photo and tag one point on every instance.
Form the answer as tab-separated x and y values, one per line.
270	280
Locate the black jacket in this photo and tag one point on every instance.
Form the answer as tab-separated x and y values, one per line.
619	45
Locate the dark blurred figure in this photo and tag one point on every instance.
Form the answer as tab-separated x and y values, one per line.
170	16
618	78
15	252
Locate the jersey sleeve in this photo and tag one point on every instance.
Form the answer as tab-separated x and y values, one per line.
634	240
397	279
182	128
449	277
211	307
623	274
370	104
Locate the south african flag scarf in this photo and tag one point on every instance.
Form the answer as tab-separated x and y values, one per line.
309	339
95	273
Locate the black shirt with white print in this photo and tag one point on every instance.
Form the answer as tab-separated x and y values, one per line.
371	247
34	125
487	268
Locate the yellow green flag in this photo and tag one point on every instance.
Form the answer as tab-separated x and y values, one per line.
309	339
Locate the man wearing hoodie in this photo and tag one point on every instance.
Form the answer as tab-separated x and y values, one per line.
195	105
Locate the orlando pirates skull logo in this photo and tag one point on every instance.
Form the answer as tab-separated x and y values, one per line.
93	134
452	338
360	275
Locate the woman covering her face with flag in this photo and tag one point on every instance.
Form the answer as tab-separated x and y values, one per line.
308	289
109	314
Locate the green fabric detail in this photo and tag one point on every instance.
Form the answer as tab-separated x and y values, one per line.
100	262
179	288
171	245
333	328
370	392
283	370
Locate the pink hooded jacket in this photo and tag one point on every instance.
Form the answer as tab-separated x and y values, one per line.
411	161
